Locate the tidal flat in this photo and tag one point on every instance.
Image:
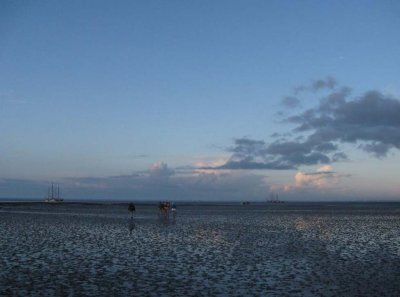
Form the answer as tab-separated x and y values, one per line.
290	249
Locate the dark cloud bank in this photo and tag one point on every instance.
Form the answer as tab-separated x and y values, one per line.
371	122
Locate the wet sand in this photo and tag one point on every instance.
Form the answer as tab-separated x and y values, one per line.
307	249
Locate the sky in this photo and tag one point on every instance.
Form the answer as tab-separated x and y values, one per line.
200	100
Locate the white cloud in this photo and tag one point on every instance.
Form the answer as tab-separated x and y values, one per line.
325	168
160	169
321	180
315	180
209	163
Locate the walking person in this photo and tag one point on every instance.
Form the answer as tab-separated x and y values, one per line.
131	209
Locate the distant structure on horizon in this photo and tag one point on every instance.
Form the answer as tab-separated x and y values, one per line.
274	198
53	195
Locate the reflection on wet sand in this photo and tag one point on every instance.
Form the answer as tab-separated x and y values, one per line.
131	225
210	251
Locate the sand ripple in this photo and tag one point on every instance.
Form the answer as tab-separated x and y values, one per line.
209	250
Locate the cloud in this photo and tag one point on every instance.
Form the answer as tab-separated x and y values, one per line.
159	182
207	164
244	164
371	122
323	182
315	180
324	177
161	170
162	182
290	101
380	150
279	155
328	83
373	119
251	154
325	168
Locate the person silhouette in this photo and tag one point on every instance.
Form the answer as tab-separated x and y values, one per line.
131	208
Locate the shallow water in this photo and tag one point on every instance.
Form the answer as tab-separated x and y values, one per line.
276	250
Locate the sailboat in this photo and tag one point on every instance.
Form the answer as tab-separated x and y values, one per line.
274	198
53	195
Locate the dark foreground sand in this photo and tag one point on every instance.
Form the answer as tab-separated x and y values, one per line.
274	250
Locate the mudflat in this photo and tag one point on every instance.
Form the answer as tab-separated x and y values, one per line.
304	249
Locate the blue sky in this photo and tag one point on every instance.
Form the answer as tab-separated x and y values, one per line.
162	92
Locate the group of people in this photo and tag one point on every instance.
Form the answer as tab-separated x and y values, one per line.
165	207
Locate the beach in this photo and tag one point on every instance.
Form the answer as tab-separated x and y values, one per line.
288	249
